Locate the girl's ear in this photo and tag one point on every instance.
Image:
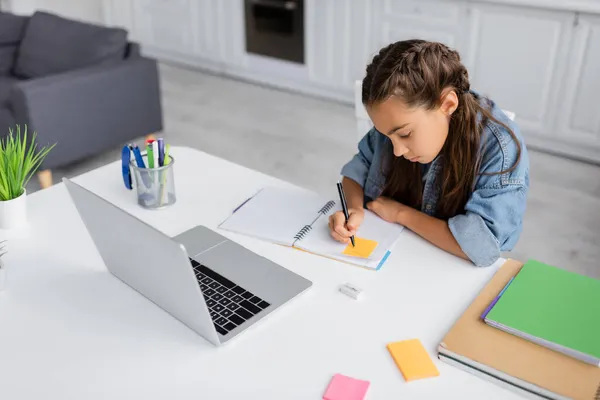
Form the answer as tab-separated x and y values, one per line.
449	101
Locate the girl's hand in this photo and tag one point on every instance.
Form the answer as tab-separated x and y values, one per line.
341	231
387	209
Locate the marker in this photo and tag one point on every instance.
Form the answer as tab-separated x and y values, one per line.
155	154
167	156
150	155
161	152
139	160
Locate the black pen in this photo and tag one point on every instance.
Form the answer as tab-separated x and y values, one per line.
344	207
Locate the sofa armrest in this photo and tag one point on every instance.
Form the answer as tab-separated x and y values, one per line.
133	50
90	110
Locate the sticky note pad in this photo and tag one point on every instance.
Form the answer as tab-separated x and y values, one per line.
343	387
412	359
363	248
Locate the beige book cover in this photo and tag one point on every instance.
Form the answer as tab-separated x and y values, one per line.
472	339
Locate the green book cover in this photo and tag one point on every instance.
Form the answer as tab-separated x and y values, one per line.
555	305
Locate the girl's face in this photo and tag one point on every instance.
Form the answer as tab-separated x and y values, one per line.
417	134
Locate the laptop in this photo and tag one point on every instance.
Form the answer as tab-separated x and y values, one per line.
213	285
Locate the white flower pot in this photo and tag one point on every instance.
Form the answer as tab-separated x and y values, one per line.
13	213
2	276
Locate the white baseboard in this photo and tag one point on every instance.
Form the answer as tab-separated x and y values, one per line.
284	82
590	154
290	82
307	88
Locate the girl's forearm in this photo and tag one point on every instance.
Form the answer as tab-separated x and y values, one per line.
431	229
354	194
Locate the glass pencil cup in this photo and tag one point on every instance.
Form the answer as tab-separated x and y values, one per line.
155	187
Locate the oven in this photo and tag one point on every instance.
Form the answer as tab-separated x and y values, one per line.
275	28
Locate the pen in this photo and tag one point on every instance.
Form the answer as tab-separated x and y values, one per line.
161	152
344	207
139	160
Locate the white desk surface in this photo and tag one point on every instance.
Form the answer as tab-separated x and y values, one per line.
71	330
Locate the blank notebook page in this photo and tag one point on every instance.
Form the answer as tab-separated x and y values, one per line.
276	214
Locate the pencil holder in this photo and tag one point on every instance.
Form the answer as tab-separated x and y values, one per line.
155	187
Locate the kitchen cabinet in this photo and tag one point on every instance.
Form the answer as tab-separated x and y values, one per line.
517	57
120	13
339	42
442	21
167	25
537	58
206	33
578	130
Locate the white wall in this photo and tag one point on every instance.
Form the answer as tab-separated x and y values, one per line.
85	10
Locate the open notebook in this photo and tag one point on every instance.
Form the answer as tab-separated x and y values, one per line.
299	218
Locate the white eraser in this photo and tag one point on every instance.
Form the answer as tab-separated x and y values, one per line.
350	290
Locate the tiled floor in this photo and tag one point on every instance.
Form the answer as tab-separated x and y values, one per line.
306	140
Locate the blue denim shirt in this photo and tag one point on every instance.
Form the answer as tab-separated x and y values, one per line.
493	217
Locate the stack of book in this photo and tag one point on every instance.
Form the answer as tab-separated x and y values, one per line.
535	329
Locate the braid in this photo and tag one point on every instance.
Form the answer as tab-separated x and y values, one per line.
416	70
419	73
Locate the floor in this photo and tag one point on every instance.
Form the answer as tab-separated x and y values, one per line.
306	140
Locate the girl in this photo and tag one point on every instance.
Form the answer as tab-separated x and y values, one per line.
441	160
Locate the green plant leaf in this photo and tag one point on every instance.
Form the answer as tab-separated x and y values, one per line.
19	160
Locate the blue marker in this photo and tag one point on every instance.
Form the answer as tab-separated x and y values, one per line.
138	157
139	160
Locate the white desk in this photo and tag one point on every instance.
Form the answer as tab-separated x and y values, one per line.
70	330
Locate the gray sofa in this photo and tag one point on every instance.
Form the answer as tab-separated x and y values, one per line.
84	87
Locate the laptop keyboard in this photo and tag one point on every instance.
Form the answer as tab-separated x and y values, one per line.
230	305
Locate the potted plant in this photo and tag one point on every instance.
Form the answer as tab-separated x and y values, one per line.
19	160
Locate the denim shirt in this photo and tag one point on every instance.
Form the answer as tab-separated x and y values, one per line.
493	215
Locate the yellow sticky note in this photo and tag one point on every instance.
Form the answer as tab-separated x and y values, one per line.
412	359
363	249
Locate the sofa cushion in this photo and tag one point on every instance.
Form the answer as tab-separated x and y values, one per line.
6	84
53	44
6	120
7	59
12	28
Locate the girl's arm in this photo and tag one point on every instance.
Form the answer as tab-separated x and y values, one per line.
429	228
354	194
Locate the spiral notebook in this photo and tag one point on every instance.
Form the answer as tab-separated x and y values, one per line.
299	218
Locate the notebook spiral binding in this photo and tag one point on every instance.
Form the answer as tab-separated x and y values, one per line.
327	207
302	232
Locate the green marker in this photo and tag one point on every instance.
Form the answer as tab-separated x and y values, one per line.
150	155
166	162
167	158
